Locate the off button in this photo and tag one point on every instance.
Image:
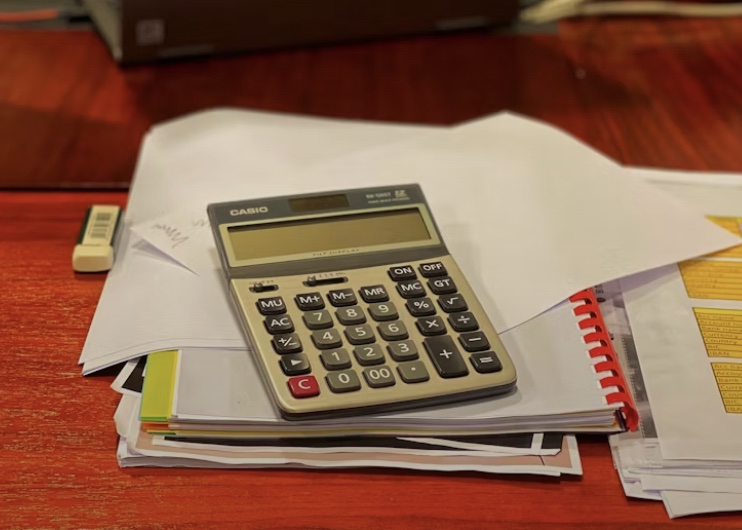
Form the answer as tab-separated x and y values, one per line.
430	270
304	387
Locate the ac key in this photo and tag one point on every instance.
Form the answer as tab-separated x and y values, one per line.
431	326
279	324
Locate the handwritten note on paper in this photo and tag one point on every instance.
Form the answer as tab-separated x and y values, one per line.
184	237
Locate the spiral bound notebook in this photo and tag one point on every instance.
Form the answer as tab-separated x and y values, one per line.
568	380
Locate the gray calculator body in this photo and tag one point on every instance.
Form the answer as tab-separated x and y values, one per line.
352	304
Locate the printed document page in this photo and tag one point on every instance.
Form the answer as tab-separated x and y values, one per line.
687	325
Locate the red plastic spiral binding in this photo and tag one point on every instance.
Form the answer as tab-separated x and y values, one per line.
588	305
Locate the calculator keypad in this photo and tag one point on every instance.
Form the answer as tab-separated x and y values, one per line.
409	329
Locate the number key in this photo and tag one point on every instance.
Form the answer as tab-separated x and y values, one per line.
385	311
369	355
379	377
317	319
362	334
327	339
340	382
393	330
335	359
404	350
348	316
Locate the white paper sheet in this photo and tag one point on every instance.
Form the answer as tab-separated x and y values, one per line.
515	201
683	503
148	305
683	483
184	236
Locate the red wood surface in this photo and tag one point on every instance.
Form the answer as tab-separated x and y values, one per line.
58	442
645	92
656	92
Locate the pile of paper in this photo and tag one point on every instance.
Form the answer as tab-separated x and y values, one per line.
683	357
550	454
531	216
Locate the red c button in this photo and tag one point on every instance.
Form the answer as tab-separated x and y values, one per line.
304	387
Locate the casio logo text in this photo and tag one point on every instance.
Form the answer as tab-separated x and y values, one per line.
248	211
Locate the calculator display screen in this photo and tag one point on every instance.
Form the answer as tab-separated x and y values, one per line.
324	234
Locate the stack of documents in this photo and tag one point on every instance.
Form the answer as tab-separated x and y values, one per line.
531	216
680	337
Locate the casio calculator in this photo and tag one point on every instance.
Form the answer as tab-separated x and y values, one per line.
352	304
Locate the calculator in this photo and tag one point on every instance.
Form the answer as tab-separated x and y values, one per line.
352	304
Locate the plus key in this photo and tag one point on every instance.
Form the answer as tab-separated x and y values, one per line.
445	357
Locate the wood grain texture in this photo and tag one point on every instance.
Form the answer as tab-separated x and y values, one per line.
655	92
58	442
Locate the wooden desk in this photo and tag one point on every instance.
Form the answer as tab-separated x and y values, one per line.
58	442
644	92
79	121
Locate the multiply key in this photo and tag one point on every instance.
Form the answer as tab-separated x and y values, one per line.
431	326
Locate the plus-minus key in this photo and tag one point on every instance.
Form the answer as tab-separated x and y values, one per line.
445	357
